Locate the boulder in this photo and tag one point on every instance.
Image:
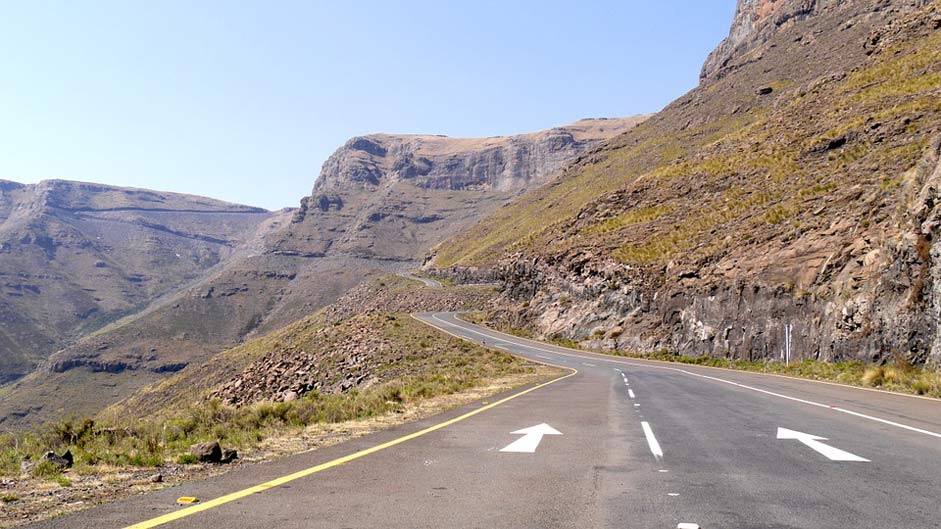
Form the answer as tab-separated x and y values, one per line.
228	455
207	452
61	462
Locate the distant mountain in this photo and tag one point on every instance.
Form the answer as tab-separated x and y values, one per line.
76	256
393	196
798	184
380	203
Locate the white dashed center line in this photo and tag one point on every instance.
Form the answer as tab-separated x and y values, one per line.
652	441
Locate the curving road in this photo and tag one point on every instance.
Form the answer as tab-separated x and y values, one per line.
428	282
620	443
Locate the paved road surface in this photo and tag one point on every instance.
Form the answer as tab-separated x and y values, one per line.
643	445
427	281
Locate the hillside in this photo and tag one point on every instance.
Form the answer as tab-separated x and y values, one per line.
329	351
378	205
361	365
797	184
76	256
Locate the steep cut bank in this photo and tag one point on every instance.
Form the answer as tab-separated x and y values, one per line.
380	203
75	256
797	185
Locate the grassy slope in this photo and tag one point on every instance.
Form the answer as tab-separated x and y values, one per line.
387	294
757	166
423	372
773	179
159	424
538	213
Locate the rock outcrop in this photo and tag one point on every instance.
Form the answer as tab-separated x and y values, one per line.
341	358
389	196
757	21
502	163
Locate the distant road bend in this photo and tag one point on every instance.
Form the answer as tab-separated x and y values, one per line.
615	443
428	282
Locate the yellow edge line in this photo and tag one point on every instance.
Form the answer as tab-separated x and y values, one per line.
189	511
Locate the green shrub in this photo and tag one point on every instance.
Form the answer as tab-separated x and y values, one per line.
187	459
142	460
10	462
45	469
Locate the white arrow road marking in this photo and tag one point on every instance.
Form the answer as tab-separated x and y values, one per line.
652	441
812	441
531	438
707	377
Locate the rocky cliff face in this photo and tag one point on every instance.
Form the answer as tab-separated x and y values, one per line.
392	197
75	256
503	163
380	203
782	191
757	21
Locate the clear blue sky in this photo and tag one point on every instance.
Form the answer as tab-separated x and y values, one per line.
243	101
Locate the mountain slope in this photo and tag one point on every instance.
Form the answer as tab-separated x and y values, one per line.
75	256
797	185
379	204
269	366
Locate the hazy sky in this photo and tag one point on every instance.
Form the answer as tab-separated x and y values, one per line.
243	101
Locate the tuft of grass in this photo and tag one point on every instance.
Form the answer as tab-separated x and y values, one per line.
903	377
46	470
631	218
874	376
778	214
9	498
187	459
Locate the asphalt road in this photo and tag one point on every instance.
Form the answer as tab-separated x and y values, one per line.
428	282
642	445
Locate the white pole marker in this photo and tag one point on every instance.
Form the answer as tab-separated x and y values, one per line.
532	436
813	441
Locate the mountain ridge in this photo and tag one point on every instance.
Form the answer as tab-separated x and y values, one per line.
77	255
349	229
